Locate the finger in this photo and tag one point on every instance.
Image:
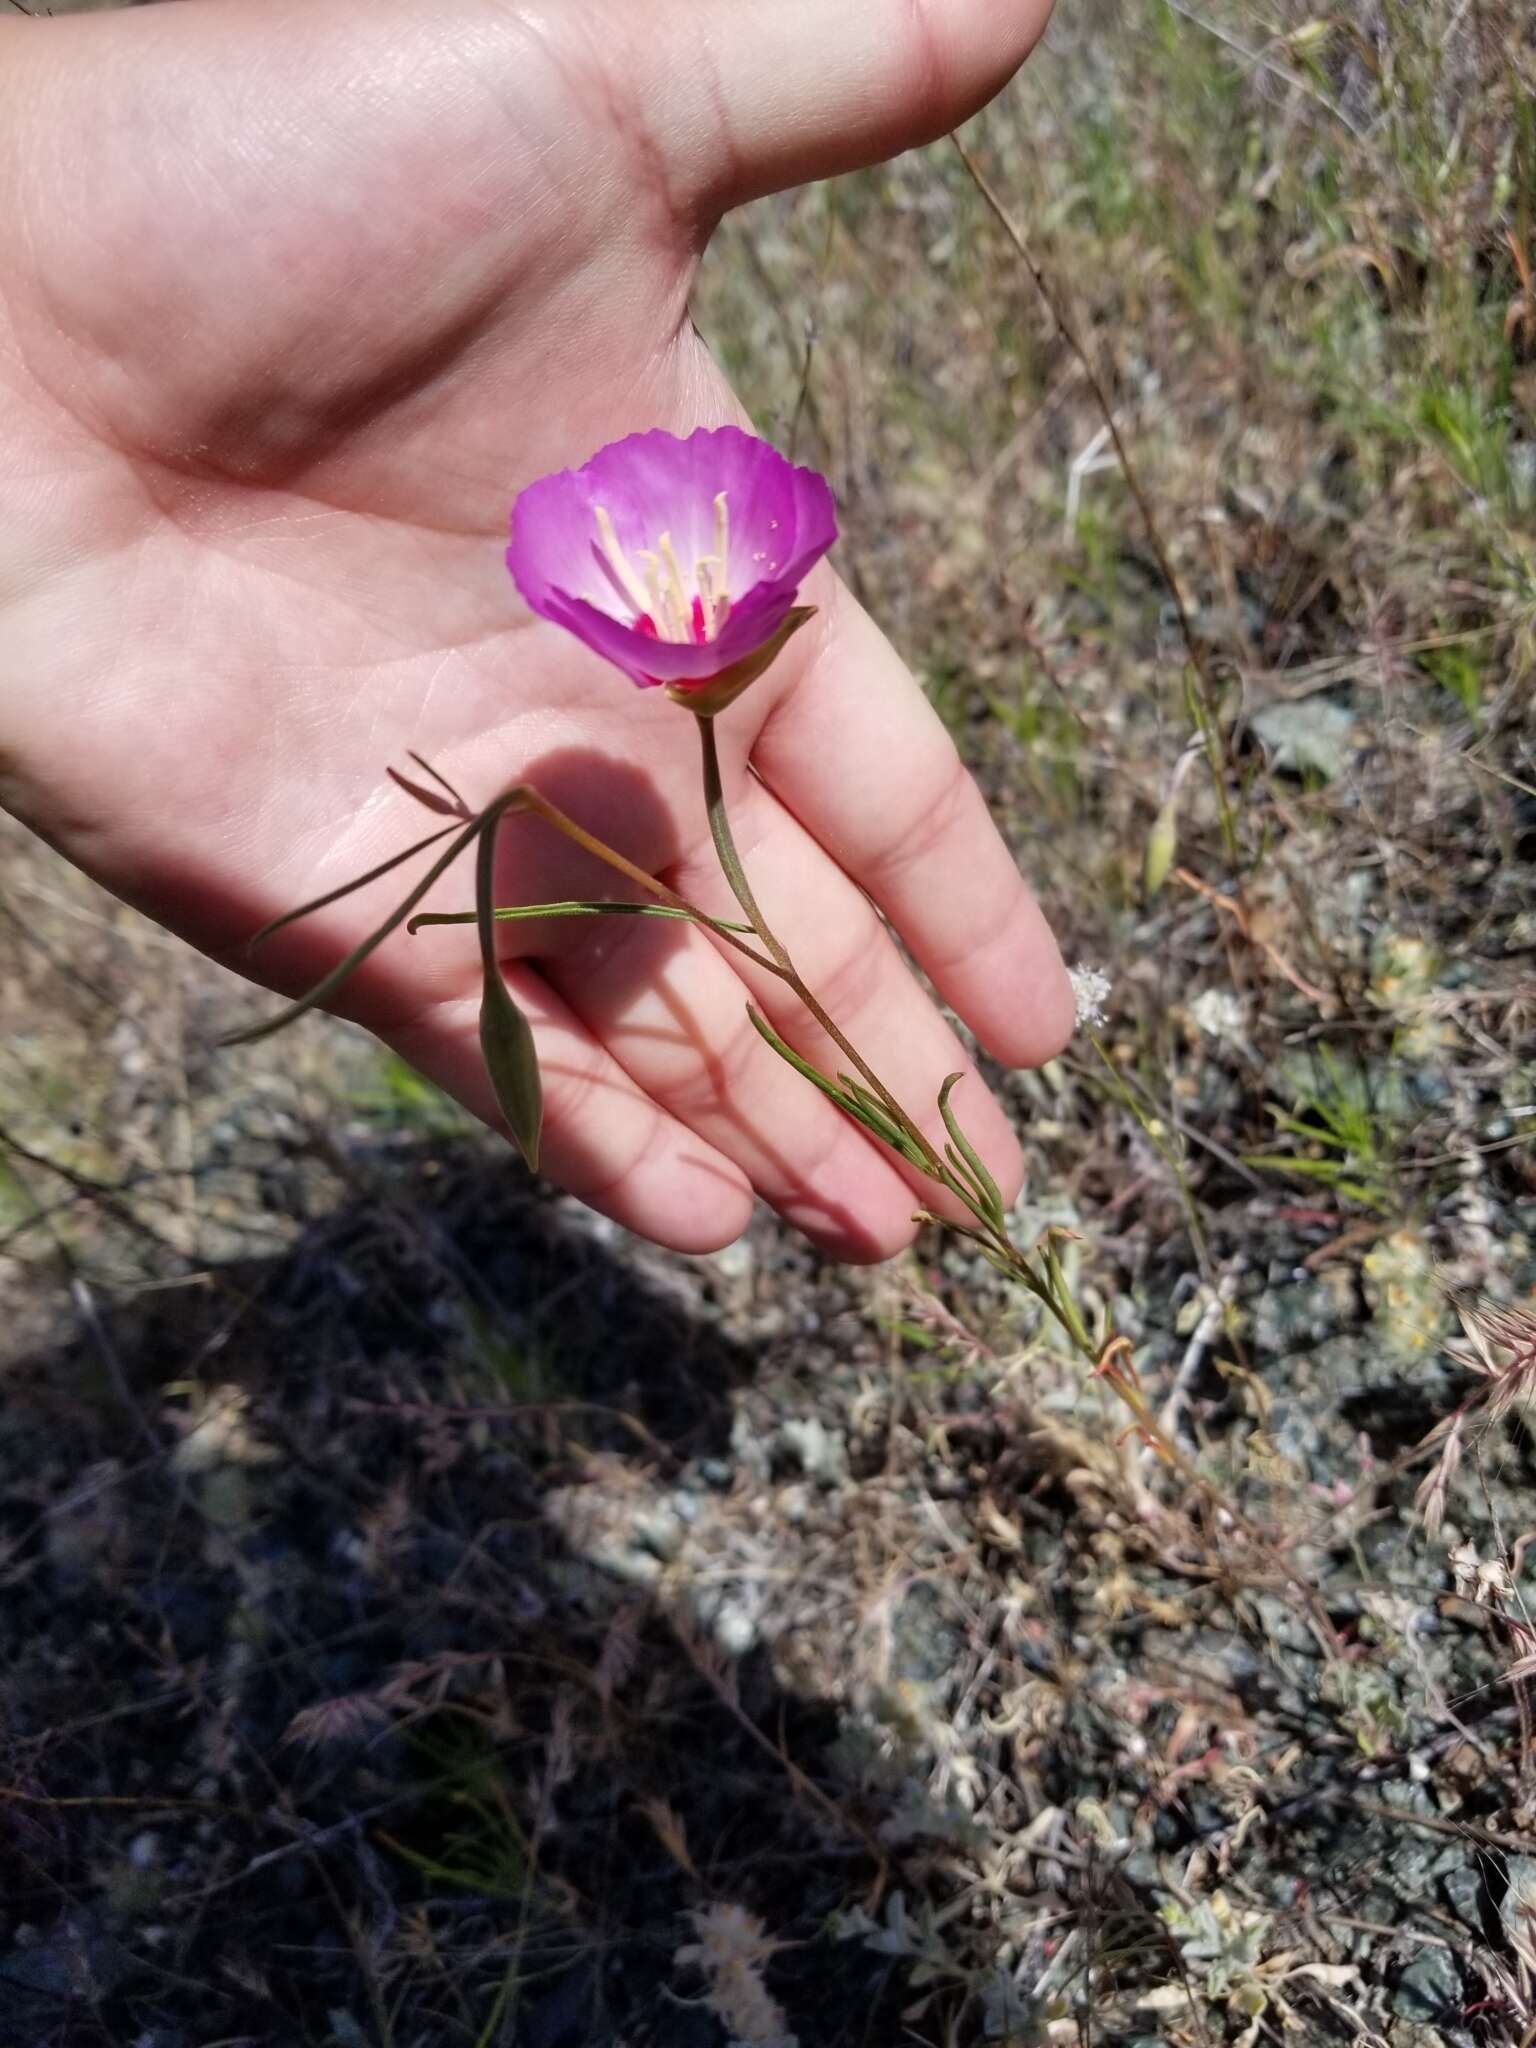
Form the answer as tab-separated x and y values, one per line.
855	750
775	94
672	1009
850	964
604	1139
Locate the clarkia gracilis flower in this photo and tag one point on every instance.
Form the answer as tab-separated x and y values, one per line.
677	559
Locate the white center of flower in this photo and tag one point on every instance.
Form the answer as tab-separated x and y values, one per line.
668	604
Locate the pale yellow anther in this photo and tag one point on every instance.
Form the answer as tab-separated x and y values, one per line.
676	589
619	562
654	605
710	577
664	595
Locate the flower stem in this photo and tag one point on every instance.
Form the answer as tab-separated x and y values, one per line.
991	1236
531	800
741	889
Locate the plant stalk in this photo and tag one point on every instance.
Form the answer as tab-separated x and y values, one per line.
741	889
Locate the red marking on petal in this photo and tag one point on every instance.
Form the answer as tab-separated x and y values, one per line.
647	625
700	628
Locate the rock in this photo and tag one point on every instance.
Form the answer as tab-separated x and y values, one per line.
748	1446
735	1629
735	1261
1295	1316
924	1643
660	1530
1429	1988
1464	1890
1518	1911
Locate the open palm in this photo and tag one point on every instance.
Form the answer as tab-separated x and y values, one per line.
292	301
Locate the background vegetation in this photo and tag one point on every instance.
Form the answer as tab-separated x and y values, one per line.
431	1617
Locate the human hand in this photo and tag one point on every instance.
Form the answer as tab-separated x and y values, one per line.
292	301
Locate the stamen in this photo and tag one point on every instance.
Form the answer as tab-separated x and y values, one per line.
619	562
677	592
667	608
710	577
657	607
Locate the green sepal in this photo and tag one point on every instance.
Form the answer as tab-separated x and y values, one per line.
705	699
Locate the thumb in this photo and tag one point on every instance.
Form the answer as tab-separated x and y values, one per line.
769	93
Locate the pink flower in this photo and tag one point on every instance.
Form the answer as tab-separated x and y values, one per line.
678	560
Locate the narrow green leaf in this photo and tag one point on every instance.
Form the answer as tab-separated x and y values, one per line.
505	1037
335	895
875	1116
507	913
970	1190
327	987
829	1088
852	1100
992	1198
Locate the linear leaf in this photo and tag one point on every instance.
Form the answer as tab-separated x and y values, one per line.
843	1092
992	1199
442	782
327	987
505	1037
970	1190
828	1087
335	895
506	913
427	798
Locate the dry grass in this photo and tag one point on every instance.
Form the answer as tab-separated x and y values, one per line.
434	1618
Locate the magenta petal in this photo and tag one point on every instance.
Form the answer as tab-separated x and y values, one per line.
782	521
648	661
